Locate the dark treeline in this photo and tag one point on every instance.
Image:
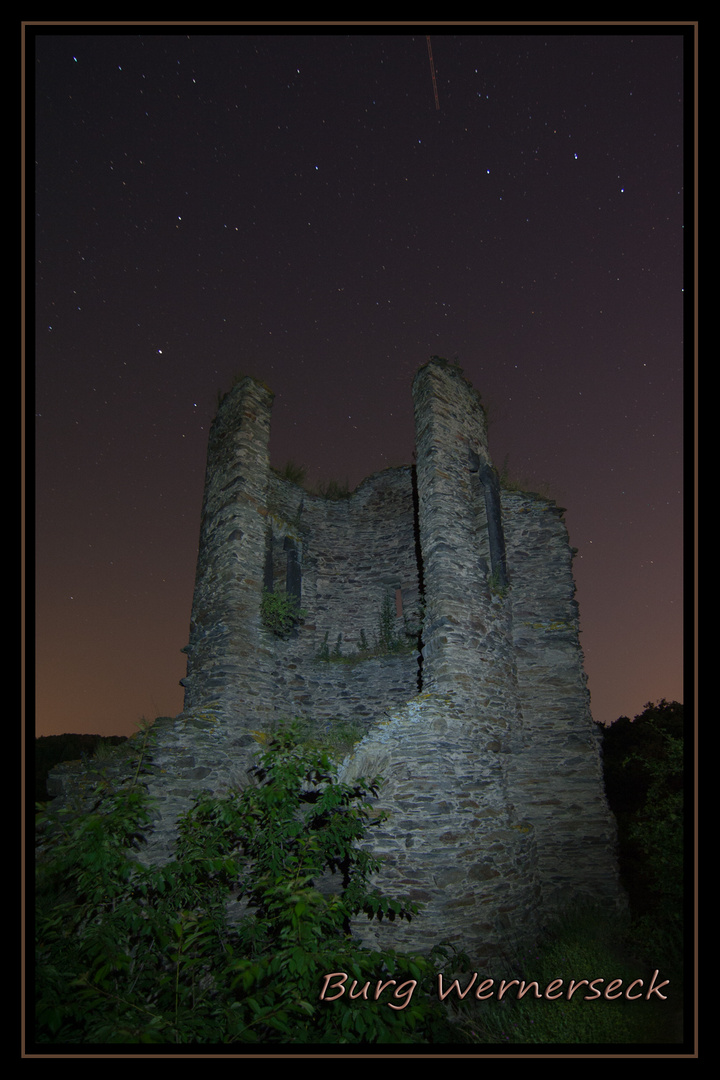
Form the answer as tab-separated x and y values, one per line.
50	750
646	773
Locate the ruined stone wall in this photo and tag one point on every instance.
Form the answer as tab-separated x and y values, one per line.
450	429
228	655
494	790
556	770
353	554
454	839
492	774
342	557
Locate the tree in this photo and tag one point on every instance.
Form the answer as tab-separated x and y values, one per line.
129	954
645	778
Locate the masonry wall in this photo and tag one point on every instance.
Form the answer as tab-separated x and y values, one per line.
494	790
228	655
353	554
342	557
480	726
467	634
556	768
454	839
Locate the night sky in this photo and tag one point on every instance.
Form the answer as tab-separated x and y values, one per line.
298	205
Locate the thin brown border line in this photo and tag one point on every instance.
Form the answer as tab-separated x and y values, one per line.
640	24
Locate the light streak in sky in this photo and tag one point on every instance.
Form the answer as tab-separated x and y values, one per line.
432	72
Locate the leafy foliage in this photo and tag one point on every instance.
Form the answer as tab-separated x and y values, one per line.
645	778
280	612
50	750
131	954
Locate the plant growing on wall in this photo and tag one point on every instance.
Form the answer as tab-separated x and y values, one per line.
496	586
280	612
323	652
131	954
334	490
387	638
292	471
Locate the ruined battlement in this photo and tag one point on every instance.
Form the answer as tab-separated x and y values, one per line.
439	622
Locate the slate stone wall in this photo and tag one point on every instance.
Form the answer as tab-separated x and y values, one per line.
341	558
353	554
229	656
452	841
556	771
480	724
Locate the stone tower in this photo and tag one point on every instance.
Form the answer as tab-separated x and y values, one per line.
480	726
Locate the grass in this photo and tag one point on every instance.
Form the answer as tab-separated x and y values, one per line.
292	471
586	944
521	485
364	652
333	490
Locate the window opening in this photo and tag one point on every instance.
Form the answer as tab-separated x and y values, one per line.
496	537
293	580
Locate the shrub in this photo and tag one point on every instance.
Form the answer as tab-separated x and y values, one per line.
130	954
280	612
644	763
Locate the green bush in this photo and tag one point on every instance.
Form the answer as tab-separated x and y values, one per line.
644	763
130	954
280	612
659	834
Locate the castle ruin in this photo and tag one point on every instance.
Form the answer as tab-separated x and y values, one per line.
478	719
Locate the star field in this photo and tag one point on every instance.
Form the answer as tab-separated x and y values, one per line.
294	205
